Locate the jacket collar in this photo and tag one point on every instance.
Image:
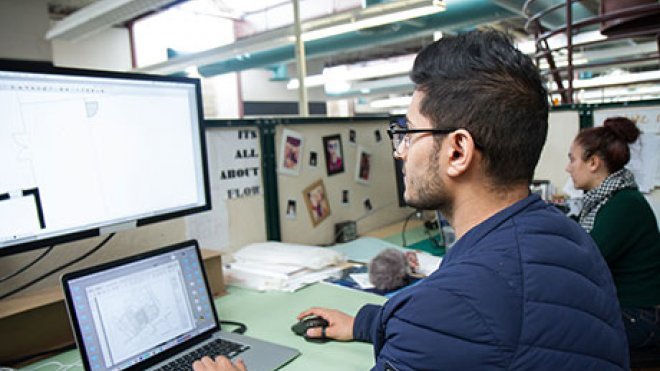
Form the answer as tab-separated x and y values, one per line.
474	235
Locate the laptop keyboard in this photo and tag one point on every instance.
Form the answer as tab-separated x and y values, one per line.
213	349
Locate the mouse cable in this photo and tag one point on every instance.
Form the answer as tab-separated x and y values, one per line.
28	265
241	326
55	270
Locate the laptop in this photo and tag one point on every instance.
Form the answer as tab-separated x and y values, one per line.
154	311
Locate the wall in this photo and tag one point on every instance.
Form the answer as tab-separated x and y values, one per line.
257	85
108	50
236	218
381	190
23	25
563	126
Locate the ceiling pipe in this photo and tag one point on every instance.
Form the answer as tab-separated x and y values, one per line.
301	62
102	15
458	14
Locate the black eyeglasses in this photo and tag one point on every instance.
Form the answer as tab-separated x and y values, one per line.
401	136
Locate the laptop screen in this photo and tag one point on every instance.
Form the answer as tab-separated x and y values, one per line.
128	312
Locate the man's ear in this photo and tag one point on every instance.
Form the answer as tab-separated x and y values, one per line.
459	151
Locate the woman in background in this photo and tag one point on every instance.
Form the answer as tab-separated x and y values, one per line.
622	223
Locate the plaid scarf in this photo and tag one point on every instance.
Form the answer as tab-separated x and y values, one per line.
597	197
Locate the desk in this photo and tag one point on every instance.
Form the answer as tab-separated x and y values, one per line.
416	236
269	316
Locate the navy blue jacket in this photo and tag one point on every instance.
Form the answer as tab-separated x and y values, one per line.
527	289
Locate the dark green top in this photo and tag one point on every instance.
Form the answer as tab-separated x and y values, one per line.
626	231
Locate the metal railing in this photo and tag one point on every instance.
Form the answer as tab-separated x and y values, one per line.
567	73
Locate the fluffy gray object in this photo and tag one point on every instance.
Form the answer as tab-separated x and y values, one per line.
388	269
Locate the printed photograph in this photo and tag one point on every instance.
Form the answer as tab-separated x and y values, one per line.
313	159
291	209
367	205
334	156
344	197
377	136
352	136
316	199
290	152
363	166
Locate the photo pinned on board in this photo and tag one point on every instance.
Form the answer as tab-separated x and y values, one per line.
313	159
363	166
345	197
352	136
316	199
291	152
291	209
377	135
367	205
334	155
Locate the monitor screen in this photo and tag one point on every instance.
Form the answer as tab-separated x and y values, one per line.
84	153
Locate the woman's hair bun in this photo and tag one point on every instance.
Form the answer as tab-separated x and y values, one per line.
623	128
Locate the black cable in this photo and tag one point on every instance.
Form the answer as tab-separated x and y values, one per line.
35	261
433	239
403	231
443	238
55	270
241	326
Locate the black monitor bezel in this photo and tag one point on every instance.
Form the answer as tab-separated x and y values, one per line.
47	68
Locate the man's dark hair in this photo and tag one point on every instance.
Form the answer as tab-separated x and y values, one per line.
479	81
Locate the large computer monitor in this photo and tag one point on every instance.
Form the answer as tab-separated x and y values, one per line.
84	153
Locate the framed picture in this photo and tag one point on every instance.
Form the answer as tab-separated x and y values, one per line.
363	166
316	199
291	152
334	155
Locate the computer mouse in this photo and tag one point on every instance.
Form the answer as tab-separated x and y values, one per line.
301	327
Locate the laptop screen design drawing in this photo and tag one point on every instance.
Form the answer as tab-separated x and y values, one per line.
142	309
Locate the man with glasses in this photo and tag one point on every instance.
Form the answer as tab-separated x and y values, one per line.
523	287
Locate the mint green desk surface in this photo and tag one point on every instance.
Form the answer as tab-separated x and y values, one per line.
269	316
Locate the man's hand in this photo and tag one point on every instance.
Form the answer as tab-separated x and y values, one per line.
221	363
340	324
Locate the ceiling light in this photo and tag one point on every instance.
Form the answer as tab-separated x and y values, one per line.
99	16
310	82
